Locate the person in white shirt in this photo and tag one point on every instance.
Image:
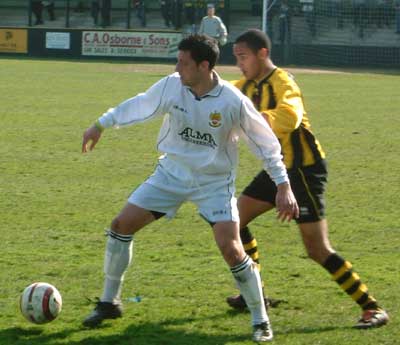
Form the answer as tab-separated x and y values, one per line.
203	119
213	26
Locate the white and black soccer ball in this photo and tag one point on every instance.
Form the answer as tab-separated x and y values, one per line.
40	303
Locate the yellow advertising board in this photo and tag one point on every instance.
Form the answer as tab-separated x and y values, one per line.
13	41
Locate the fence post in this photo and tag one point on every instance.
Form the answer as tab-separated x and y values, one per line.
265	16
227	11
30	13
128	15
67	15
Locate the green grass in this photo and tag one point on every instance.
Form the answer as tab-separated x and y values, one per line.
55	203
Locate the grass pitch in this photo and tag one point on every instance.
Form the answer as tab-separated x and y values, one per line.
55	203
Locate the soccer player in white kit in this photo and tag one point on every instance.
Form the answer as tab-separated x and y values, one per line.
203	119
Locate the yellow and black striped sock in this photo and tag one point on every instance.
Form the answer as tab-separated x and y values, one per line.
349	281
250	245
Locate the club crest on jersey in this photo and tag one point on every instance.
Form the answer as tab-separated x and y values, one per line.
215	119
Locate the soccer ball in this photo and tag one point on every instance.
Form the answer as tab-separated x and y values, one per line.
40	303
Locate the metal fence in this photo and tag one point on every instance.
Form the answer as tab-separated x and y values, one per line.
325	32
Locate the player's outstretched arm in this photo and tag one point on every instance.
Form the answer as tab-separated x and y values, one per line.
90	138
286	204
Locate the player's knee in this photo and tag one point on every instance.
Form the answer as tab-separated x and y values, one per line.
123	226
312	254
318	255
117	225
232	252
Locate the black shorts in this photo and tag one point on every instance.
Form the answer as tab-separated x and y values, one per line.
308	185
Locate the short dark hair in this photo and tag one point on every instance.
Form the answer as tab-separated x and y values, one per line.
255	40
201	48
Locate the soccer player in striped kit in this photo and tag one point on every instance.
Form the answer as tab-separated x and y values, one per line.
277	96
203	119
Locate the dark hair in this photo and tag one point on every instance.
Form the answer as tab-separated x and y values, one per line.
255	40
201	48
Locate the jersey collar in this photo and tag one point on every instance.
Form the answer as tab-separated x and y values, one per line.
214	92
263	80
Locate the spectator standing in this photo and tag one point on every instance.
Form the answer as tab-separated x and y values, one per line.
383	13
284	23
255	6
94	11
272	12
140	9
309	15
166	11
49	5
177	9
220	7
37	10
359	16
190	12
338	12
200	9
80	6
106	6
213	26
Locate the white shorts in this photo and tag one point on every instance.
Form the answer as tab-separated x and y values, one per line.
163	192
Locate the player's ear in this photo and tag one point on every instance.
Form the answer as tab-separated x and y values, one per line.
263	53
204	65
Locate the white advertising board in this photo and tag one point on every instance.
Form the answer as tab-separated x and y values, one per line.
130	44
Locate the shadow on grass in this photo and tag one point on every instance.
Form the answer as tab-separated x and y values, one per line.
22	336
299	330
311	330
167	332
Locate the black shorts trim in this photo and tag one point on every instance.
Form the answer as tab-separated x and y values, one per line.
308	185
157	215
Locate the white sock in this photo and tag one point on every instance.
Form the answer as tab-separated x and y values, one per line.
117	258
248	279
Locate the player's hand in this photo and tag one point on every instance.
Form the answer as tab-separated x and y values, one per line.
90	138
286	204
266	117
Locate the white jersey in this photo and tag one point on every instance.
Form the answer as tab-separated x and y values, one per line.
200	135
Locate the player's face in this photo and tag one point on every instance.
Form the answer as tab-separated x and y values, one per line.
187	68
250	63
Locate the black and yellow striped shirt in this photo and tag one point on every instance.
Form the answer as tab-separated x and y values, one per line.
280	101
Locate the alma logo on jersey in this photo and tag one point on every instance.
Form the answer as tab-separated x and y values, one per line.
177	107
215	119
195	137
219	212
